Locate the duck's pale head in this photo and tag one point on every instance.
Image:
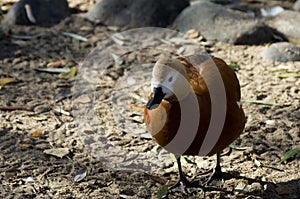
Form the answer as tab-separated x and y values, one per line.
169	81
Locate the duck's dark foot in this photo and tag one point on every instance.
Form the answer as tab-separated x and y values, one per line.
181	186
183	183
212	174
184	186
215	175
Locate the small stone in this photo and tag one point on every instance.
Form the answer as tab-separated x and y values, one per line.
270	122
242	187
29	180
192	34
297	115
255	187
282	51
271	12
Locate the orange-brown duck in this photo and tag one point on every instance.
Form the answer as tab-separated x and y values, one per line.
194	107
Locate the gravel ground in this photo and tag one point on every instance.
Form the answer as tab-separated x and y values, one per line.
44	146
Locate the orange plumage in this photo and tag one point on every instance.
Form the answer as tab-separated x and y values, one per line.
163	115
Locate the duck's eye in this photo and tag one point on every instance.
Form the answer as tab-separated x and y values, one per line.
170	79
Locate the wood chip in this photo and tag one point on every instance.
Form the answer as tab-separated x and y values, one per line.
56	64
58	152
14	108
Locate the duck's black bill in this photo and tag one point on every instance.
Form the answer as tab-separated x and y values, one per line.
156	99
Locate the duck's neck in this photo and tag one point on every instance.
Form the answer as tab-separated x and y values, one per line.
174	99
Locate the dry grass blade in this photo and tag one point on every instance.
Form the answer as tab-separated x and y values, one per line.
25	37
290	154
232	146
261	102
54	70
75	36
287	75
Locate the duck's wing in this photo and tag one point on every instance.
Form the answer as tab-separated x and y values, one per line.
193	67
205	70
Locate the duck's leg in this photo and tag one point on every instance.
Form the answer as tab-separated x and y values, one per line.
216	171
182	182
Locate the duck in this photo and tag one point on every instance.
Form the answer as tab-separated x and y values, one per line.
194	108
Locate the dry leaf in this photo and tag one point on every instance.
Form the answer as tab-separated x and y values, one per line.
35	134
242	186
83	99
58	152
80	176
7	80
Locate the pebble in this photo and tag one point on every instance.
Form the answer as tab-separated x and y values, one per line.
271	12
270	122
297	115
256	187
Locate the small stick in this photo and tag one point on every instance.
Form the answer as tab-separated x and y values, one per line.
13	108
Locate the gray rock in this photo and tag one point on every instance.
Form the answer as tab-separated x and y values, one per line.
287	23
136	13
216	22
225	2
37	12
296	6
282	51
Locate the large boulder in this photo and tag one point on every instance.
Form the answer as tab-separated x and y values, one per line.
216	22
296	6
136	13
287	23
37	12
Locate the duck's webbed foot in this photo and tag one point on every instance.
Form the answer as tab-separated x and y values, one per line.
182	183
213	174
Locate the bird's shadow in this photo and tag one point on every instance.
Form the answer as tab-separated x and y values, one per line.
289	189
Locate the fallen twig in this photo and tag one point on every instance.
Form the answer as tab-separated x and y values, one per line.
14	108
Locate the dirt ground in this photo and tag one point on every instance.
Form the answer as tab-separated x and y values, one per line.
37	114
